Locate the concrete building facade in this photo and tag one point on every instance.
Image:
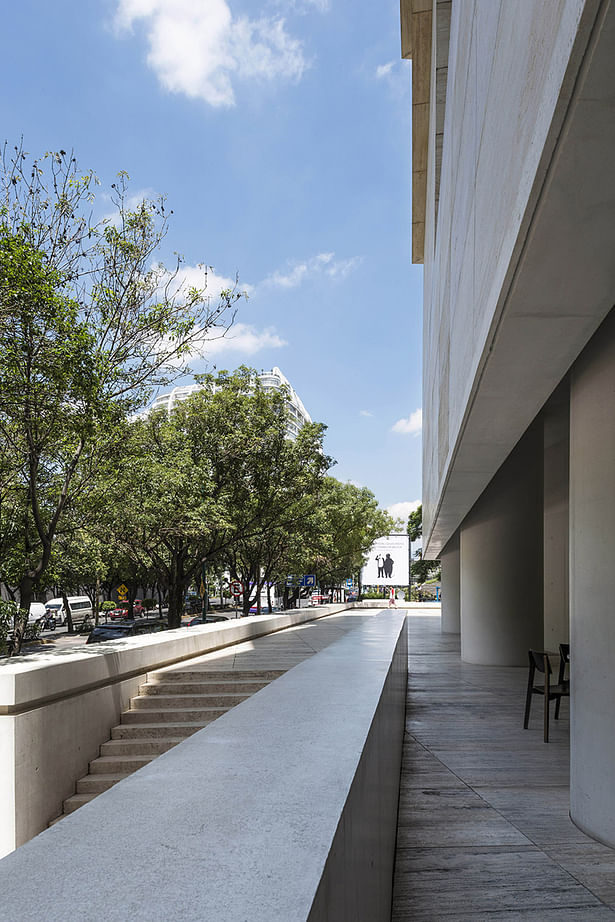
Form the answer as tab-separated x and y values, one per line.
513	218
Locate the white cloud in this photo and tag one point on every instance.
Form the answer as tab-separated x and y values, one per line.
302	6
321	264
395	76
242	338
384	70
198	48
204	277
410	426
131	203
365	413
403	510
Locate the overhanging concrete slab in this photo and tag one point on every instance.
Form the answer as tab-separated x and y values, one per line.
558	286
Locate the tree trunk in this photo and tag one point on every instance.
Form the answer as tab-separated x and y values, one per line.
97	602
177	588
69	614
176	597
246	600
26	586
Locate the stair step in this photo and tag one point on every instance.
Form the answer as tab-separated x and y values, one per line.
96	784
193	675
171	706
201	688
157	730
105	765
172	715
222	699
73	803
137	747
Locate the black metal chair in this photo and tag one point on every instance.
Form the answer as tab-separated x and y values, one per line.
564	660
540	662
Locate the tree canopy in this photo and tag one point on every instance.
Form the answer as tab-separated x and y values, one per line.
89	324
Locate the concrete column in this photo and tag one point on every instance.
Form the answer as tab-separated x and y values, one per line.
592	586
501	561
556	420
451	607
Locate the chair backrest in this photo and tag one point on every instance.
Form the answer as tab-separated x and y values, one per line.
538	659
564	659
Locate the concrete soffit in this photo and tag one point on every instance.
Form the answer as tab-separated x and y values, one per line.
560	279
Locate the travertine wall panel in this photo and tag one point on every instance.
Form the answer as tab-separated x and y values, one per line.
508	74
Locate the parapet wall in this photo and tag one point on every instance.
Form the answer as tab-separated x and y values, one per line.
57	708
282	810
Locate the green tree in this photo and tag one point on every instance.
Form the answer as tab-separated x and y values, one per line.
415	524
212	474
350	522
285	493
89	323
421	570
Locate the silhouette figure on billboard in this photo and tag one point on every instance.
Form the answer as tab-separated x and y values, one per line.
387	566
380	565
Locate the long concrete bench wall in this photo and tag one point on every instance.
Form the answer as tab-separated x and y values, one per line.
57	708
282	810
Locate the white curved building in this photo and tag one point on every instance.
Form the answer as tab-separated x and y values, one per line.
270	380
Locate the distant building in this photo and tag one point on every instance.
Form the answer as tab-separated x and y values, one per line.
270	380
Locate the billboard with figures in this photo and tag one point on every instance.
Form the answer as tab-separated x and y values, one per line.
387	562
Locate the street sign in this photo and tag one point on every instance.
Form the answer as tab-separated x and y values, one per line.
122	590
308	580
236	589
293	581
349	583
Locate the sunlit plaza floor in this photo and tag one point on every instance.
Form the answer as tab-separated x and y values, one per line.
484	830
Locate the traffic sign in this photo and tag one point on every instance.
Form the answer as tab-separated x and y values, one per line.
349	583
122	590
308	580
236	588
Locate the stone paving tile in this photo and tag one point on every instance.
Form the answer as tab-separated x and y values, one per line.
484	831
483	883
590	862
541	813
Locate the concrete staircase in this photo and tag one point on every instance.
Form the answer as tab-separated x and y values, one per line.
170	706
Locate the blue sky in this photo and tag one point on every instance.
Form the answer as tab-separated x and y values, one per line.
280	133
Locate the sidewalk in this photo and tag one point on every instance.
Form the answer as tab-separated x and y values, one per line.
484	831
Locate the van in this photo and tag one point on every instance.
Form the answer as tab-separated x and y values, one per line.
80	609
37	611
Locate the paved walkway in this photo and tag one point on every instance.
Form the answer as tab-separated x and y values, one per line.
281	650
484	831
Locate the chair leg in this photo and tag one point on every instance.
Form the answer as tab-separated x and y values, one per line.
547	702
558	701
528	699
